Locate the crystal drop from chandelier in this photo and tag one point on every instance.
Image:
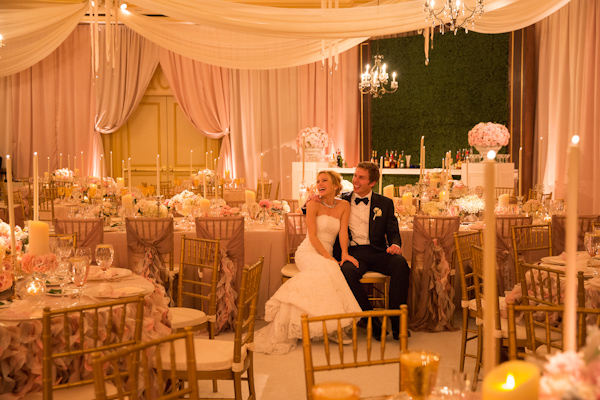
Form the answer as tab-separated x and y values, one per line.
451	13
374	80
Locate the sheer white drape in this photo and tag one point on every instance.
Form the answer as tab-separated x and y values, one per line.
119	90
569	98
241	35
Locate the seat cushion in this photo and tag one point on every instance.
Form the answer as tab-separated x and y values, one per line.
373	275
501	303
182	317
289	270
211	355
79	392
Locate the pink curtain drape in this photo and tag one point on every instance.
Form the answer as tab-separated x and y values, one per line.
569	98
202	91
120	89
53	108
269	108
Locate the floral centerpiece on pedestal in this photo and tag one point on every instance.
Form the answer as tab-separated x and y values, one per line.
184	202
571	375
108	183
433	208
470	204
314	140
62	175
150	208
488	136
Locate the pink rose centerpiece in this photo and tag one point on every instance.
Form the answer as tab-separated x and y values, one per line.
488	136
62	175
6	252
313	140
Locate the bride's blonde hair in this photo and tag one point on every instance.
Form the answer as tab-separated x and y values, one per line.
334	178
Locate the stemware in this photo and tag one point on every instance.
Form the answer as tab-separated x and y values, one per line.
104	257
63	274
418	373
64	246
84	252
80	271
591	242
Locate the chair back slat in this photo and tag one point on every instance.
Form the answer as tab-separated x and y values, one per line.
295	233
248	297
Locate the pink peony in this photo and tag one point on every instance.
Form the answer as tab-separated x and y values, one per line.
43	264
264	203
5	281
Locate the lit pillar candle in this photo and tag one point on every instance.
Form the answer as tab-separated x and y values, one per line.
120	184
381	175
39	238
204	205
570	317
158	174
129	174
503	200
520	171
111	166
407	199
36	189
191	161
444	196
127	201
512	380
227	175
489	264
250	197
11	210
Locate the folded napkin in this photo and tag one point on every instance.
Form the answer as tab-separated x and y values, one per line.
96	273
108	290
582	260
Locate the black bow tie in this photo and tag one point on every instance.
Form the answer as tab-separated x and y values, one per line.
358	200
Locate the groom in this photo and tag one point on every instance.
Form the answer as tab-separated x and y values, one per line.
374	240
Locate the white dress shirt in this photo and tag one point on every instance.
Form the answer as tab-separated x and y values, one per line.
359	220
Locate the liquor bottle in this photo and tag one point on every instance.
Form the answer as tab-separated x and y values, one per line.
339	158
386	160
458	160
392	161
376	159
373	156
397	159
402	160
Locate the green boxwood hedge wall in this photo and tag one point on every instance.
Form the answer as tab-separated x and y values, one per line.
466	82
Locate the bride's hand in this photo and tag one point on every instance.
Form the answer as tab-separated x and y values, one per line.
348	257
313	197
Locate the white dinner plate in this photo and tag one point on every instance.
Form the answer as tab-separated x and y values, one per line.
555	260
114	273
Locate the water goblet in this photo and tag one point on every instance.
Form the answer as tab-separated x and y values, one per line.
64	246
80	271
84	252
63	274
104	257
591	242
418	373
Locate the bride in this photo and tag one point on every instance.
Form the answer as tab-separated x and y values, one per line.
320	287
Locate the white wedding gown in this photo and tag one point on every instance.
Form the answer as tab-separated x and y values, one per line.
318	289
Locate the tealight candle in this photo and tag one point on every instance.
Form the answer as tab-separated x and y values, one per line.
512	380
444	196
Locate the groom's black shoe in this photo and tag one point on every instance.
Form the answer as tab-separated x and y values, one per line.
396	334
377	329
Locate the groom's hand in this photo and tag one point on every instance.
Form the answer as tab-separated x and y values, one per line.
394	249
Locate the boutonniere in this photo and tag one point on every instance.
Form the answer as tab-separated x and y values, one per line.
376	213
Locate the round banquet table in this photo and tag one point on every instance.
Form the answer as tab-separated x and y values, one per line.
21	329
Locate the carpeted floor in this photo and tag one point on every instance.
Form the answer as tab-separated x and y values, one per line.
282	377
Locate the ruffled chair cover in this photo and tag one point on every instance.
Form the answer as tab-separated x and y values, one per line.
90	232
584	224
151	240
506	271
431	296
230	230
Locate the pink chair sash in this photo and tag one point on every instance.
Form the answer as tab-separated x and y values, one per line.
431	294
90	232
19	218
152	249
559	233
230	231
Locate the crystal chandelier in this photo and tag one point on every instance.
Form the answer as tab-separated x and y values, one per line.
453	9
373	80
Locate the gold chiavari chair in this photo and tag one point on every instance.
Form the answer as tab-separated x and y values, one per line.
544	285
221	359
463	257
138	369
101	327
294	206
504	190
535	195
584	224
18	206
197	285
47	195
354	361
166	189
295	232
541	322
531	242
259	187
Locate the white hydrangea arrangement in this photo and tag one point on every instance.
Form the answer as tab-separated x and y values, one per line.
433	208
184	202
470	204
150	208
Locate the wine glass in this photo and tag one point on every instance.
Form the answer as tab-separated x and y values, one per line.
104	257
80	271
591	242
84	252
418	372
64	246
63	274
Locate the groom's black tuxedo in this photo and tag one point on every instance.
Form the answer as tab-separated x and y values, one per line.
383	232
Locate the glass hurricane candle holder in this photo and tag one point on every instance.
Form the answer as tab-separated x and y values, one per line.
31	288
